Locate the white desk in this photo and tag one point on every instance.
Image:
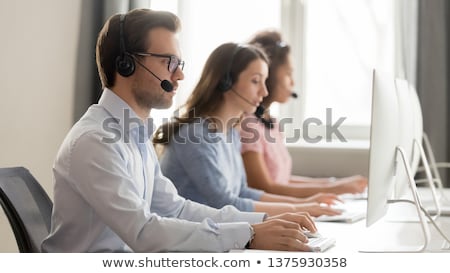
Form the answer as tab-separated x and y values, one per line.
385	234
399	228
388	233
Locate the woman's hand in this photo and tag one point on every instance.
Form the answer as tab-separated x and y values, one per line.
324	198
315	209
351	184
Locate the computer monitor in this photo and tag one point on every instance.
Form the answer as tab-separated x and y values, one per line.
387	155
410	127
419	155
418	126
406	135
383	142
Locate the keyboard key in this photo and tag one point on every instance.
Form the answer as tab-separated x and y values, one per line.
321	244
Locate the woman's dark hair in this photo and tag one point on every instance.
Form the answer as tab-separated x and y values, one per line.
207	96
277	51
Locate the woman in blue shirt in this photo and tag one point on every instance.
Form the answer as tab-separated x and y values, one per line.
202	147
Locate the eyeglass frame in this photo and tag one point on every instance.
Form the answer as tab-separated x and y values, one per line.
172	59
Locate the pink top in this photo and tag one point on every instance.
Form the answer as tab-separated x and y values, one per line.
269	142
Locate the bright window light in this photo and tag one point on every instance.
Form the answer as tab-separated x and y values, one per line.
207	24
344	41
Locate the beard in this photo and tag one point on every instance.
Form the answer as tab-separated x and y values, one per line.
151	98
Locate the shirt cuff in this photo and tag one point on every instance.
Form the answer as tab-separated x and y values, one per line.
250	217
234	235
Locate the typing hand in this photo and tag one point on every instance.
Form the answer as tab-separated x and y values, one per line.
301	218
283	232
324	198
315	209
351	184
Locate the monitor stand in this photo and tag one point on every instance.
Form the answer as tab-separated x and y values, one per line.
426	166
434	167
434	208
416	202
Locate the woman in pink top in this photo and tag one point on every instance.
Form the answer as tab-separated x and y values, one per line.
267	161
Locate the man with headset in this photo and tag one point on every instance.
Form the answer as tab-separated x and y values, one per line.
109	193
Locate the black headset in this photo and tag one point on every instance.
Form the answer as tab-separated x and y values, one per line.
125	65
226	82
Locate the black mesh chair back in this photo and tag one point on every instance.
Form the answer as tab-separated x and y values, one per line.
27	207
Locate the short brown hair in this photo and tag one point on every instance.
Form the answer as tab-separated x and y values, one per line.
137	23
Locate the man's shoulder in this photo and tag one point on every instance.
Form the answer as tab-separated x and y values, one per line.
95	127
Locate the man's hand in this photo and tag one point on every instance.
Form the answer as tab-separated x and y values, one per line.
283	232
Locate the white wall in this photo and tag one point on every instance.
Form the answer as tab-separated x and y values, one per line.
37	68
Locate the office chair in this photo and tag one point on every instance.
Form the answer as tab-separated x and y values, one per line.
27	207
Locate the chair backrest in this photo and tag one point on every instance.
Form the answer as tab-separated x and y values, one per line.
27	207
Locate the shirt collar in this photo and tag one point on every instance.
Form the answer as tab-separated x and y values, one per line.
123	114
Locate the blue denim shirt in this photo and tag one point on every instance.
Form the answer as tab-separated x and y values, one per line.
207	167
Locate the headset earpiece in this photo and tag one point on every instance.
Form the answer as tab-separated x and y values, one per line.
226	82
125	65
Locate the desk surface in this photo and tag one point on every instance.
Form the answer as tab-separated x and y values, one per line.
388	234
396	232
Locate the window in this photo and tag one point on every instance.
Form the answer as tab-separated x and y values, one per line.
335	45
343	41
207	24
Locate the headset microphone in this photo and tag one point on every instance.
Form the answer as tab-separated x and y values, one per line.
243	98
268	123
260	111
165	84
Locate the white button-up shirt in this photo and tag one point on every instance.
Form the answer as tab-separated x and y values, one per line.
110	194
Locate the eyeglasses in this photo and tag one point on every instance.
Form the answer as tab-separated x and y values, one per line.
174	62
